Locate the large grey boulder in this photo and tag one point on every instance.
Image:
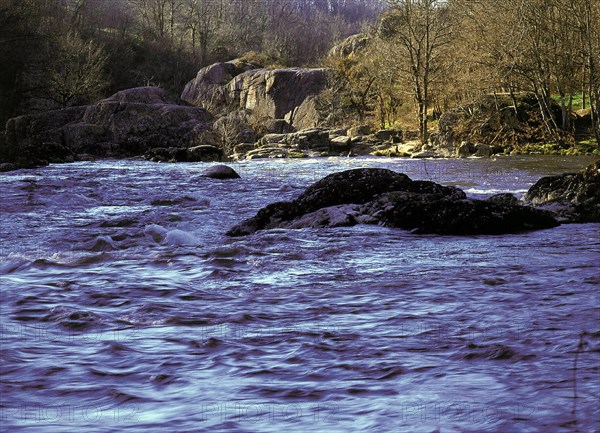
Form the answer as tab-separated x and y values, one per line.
279	93
208	87
145	117
129	123
574	197
288	93
384	197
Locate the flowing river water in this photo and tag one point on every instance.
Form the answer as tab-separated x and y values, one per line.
125	308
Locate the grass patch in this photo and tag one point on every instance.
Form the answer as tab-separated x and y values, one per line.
583	147
577	101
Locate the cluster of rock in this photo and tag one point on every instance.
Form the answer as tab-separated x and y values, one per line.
148	122
573	197
391	199
229	110
129	123
351	45
495	123
315	142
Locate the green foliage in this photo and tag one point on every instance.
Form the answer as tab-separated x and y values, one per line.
577	101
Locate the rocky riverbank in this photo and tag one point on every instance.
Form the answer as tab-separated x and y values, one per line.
237	111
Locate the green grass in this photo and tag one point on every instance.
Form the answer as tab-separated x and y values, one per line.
583	147
577	101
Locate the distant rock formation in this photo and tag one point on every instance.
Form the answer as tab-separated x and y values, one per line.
384	197
129	123
209	85
287	94
350	46
574	197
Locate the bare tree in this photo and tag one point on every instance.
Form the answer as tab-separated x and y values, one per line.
420	31
586	16
77	73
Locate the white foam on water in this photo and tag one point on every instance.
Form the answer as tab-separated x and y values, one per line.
156	232
180	237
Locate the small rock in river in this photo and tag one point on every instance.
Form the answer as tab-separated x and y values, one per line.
221	172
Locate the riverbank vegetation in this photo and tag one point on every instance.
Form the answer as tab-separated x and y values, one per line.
409	63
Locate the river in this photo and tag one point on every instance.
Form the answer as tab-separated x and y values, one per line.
125	308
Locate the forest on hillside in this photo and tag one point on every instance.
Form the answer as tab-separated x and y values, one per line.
411	61
57	53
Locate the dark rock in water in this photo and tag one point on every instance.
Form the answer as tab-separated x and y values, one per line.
574	197
362	185
204	153
496	352
465	149
7	166
167	154
440	214
505	198
221	172
384	197
483	150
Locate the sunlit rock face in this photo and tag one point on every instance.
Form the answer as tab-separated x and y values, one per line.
208	87
574	197
391	199
286	93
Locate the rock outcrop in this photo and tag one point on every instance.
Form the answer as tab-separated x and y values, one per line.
208	88
145	117
287	94
304	143
129	123
38	139
574	197
202	153
384	197
350	46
